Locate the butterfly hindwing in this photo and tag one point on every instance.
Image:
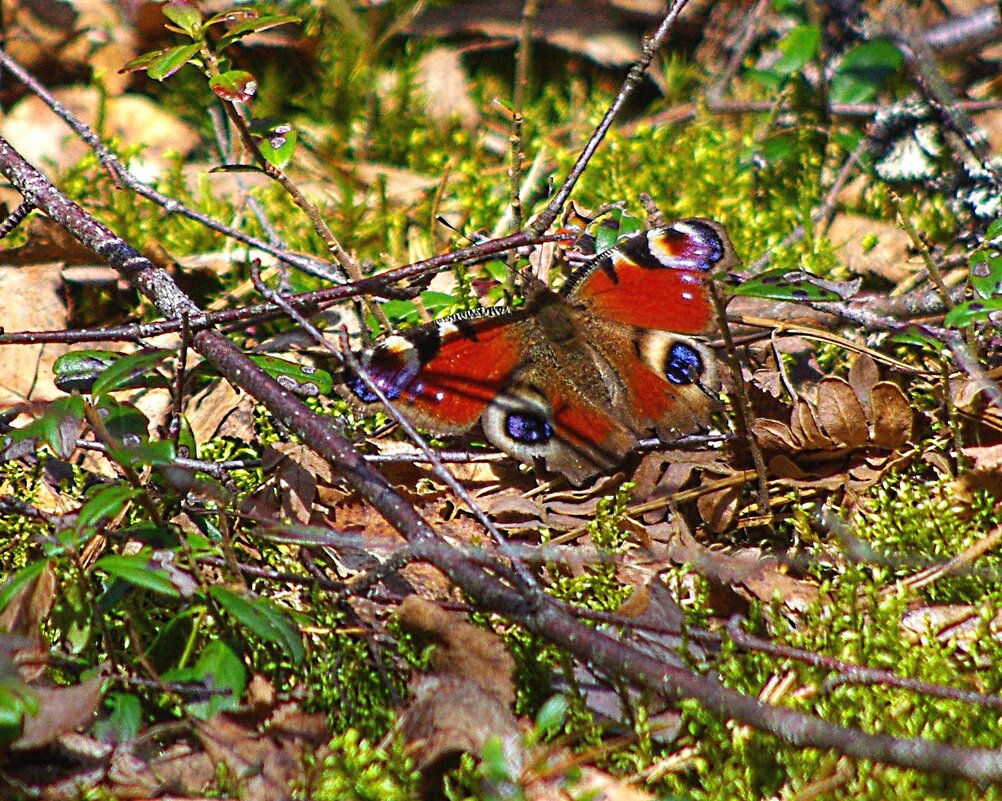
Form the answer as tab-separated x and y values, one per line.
443	375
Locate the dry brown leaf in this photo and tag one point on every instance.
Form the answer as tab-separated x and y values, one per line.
805	429
719	508
61	710
892	416
466	699
782	466
863	376
209	410
889	259
840	413
267	766
772	435
26	370
30	606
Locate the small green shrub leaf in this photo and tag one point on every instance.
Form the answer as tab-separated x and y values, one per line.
139	571
796	49
131	372
974	311
795	286
185	17
170	61
986	272
106	502
237	86
22	577
301	379
278	143
124	721
77	370
863	70
255	25
263	618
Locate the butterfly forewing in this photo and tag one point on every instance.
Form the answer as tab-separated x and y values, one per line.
656	279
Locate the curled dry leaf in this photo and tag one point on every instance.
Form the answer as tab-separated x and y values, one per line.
719	508
892	416
466	699
863	376
806	430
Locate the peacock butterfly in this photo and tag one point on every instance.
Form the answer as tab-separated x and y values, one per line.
573	377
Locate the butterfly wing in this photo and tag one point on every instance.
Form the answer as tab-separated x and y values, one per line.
542	415
443	375
656	279
642	300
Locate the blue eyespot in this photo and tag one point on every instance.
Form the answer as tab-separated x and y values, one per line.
683	364
360	389
528	429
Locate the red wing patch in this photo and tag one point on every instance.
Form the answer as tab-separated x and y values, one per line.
457	383
660	298
651	397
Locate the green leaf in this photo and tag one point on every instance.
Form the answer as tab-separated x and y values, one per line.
795	286
263	618
144	453
278	143
301	379
123	420
167	647
58	427
141	62
124	721
399	311
613	227
139	571
994	230
170	61
16	701
796	49
132	371
254	26
79	369
237	86
61	424
495	766
219	668
863	70
22	577
551	715
185	17
106	502
974	311
230	15
985	272
436	302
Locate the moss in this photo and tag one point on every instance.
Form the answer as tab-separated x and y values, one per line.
356	770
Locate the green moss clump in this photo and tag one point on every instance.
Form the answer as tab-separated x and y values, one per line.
357	770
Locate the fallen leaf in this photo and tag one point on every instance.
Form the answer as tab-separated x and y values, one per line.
892	416
466	698
26	370
840	413
60	710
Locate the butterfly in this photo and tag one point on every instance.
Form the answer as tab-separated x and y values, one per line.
574	378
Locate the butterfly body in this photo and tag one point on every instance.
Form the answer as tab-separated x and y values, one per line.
572	378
